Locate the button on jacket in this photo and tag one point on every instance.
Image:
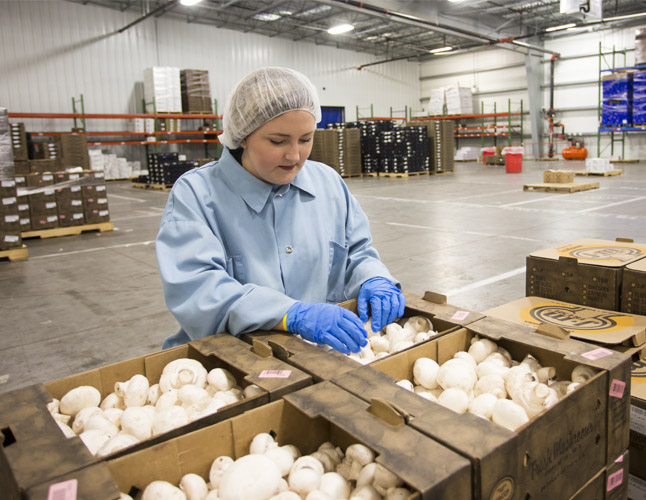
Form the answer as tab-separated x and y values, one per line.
235	253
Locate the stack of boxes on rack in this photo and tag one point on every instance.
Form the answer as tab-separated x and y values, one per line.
616	108
59	191
340	148
162	94
437	102
459	100
196	91
9	216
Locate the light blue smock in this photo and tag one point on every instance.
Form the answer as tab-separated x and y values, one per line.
235	253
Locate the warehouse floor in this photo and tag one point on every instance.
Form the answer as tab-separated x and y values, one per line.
80	302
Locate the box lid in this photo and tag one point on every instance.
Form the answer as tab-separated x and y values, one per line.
585	323
638	378
640	265
605	253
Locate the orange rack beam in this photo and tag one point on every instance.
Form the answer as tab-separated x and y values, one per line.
190	132
152	143
117	116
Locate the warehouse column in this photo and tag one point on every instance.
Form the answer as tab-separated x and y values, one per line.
534	71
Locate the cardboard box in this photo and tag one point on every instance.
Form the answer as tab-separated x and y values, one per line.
615	330
554	454
92	482
585	271
558	176
30	431
306	419
636	488
633	288
324	364
637	446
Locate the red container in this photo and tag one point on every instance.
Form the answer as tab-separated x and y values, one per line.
513	163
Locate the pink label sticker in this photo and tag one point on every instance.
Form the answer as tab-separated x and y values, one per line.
275	374
617	388
597	353
63	491
619	460
615	479
460	315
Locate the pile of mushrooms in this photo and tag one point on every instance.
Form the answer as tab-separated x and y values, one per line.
137	411
273	472
487	382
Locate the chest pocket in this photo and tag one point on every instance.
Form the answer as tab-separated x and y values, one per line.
336	272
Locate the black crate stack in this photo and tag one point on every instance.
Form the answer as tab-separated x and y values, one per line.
166	168
370	131
196	91
404	150
441	144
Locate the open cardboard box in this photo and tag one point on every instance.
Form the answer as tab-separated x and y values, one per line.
306	419
324	364
29	430
585	271
554	454
637	446
633	288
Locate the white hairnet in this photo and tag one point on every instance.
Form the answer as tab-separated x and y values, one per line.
263	95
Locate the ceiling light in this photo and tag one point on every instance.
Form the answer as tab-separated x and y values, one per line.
562	27
189	2
441	49
266	16
341	28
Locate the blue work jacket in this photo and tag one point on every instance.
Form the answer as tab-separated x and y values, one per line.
235	253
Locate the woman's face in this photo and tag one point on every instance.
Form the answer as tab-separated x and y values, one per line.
276	152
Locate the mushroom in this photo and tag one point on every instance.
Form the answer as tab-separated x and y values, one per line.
113	415
162	490
191	394
94	440
194	487
117	443
581	374
457	373
365	492
317	495
481	348
406	384
482	405
454	399
422	337
466	357
329	465
335	486
534	397
67	430
78	425
84	396
212	495
181	372
286	495
491	368
252	477
398	494
516	377
154	391
138	422
134	391
252	390
221	379
492	384
546	374
282	458
167	400
112	400
379	344
124	496
509	414
261	443
219	465
419	324
425	372
169	419
384	480
100	423
304	480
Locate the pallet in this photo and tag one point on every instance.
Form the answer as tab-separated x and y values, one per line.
564	187
624	161
121	179
402	174
350	176
15	253
604	174
68	231
548	159
158	187
444	172
370	174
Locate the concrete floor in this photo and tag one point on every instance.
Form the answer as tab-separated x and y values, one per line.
80	302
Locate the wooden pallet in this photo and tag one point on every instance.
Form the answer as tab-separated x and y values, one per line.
402	174
604	174
370	174
564	187
122	179
548	159
350	176
624	161
15	253
158	187
68	231
444	172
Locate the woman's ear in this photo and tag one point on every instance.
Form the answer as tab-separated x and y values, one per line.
243	143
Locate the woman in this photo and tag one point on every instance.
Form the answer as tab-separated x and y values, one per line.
265	239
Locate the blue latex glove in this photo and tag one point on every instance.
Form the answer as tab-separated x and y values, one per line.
327	324
386	301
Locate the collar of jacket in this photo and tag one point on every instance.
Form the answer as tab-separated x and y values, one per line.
253	191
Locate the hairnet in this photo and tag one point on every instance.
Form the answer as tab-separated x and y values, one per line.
263	95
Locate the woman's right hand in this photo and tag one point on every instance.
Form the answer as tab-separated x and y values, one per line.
327	324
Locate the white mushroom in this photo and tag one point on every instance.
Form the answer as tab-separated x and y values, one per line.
365	492
154	391
169	419
419	324
498	357
221	379
367	474
398	494
296	453
261	443
379	344
329	465
138	422
581	374
252	477
194	487
492	384
454	399
531	362
136	391
509	414
78	425
84	396
401	345
252	390
384	480
94	440
162	490
304	480
425	372
181	372
100	423
546	374
282	458
167	400
406	384
491	368
335	485
286	495
360	453
212	495
572	386
124	496
457	373
53	406
482	405
219	465
113	400
63	419
466	357
317	495
516	377
481	348
113	415
308	462
191	394
117	443
422	337
67	430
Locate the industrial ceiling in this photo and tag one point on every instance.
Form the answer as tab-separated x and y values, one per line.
395	29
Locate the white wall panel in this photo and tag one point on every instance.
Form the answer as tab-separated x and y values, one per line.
53	50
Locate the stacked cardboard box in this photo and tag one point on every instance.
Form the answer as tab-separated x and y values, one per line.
19	141
95	199
45	166
437	102
617	100
73	151
558	176
459	100
404	150
196	91
166	168
340	148
633	288
598	165
9	215
69	199
162	87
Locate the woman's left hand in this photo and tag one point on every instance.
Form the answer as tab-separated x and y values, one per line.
386	302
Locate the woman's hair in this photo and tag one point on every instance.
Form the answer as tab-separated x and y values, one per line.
263	95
